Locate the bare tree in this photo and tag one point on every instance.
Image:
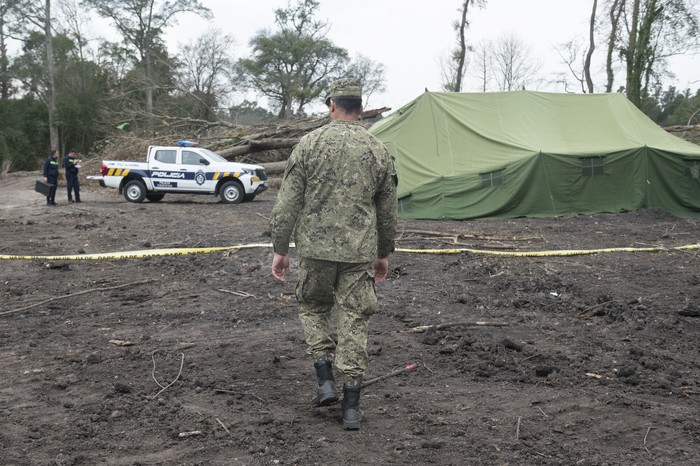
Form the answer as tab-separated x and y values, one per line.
206	70
513	66
591	48
570	55
74	21
482	64
370	74
454	69
141	23
616	9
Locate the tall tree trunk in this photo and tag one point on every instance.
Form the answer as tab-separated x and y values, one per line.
461	55
591	48
149	92
631	58
4	60
616	9
51	91
646	53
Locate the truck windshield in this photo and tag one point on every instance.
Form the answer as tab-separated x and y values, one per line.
213	155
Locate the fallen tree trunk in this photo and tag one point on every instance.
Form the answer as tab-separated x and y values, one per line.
274	168
681	128
259	146
373	113
283	137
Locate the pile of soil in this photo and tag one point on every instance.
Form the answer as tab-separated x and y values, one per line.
198	359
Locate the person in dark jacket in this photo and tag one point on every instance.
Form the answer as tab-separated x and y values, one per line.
72	183
51	176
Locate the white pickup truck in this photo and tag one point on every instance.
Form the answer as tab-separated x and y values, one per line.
183	169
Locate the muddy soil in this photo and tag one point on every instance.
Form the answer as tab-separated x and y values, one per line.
592	359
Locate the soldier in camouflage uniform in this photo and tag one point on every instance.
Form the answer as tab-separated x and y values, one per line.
338	197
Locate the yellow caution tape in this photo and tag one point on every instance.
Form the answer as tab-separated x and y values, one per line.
136	254
183	251
565	252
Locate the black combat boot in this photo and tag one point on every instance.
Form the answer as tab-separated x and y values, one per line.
352	415
326	393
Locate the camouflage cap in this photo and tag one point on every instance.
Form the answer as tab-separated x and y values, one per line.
345	87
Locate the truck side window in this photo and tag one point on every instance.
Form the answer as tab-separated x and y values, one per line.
191	158
166	156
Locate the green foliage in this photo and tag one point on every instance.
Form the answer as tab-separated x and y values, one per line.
80	104
293	65
23	133
687	112
657	29
248	113
81	88
141	24
671	107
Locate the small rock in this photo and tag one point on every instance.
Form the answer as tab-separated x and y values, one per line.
93	359
511	345
431	339
543	371
122	388
626	371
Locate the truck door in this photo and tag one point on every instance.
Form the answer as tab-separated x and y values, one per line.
165	173
194	166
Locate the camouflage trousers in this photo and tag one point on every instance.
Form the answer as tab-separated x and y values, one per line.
349	289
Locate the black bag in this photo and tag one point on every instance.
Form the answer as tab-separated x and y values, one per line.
43	187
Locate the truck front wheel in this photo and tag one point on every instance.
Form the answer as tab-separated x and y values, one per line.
232	192
135	191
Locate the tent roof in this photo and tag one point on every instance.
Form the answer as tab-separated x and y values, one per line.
447	134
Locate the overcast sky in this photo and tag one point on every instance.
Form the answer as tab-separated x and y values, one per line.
409	37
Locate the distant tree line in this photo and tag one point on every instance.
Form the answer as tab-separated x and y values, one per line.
62	90
635	40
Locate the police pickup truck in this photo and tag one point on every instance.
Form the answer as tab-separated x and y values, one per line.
183	169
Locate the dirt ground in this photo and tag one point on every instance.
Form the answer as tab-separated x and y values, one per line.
199	359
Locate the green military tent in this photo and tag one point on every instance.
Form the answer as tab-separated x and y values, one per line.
535	154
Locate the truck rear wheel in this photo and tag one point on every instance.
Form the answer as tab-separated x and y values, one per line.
232	192
134	191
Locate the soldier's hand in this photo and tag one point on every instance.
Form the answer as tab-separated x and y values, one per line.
280	266
381	268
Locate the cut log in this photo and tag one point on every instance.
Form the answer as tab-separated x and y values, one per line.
373	113
274	168
681	128
282	136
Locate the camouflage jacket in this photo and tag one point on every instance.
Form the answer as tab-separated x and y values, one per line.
339	190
